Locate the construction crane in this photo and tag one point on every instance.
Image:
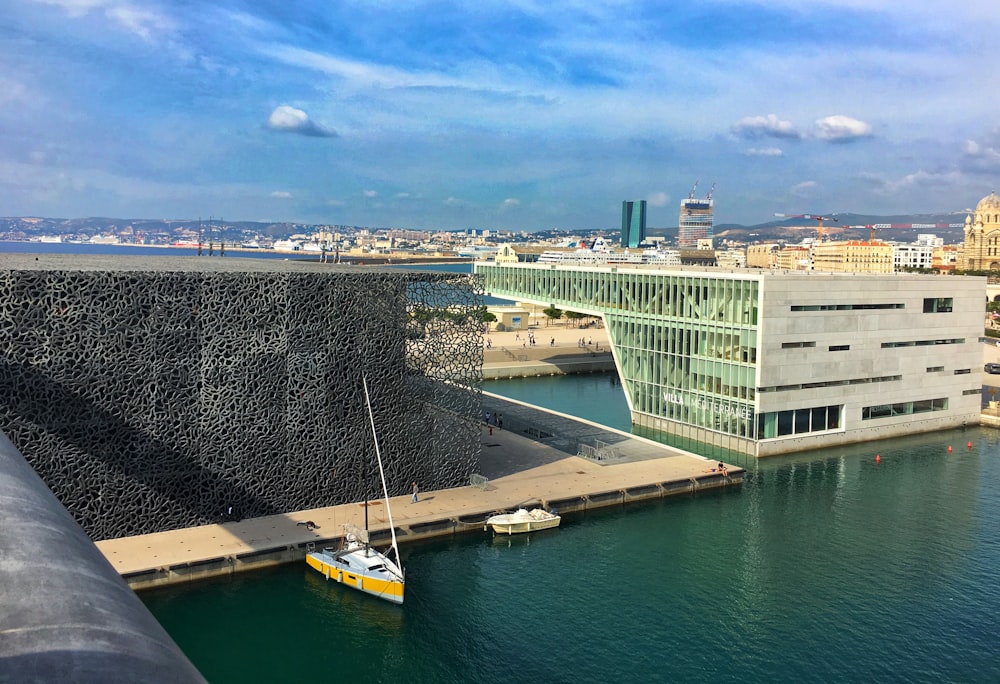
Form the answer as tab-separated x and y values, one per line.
871	236
691	194
710	191
815	217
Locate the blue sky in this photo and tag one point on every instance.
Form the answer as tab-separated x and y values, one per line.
519	115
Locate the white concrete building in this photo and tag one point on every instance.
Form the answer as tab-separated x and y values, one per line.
772	362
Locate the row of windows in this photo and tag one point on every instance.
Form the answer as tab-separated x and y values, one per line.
809	344
905	408
798	421
921	343
819	418
844	307
931	305
830	383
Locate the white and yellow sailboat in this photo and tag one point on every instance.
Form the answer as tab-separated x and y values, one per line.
356	563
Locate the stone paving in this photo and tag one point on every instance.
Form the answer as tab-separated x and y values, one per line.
519	469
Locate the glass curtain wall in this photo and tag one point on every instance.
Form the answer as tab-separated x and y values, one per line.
687	343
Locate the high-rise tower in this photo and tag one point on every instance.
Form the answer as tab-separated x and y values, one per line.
695	222
633	223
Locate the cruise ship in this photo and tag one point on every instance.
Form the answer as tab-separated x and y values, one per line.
600	254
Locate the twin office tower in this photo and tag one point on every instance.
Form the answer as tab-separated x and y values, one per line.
695	222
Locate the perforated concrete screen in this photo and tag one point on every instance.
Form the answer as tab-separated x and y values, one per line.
157	393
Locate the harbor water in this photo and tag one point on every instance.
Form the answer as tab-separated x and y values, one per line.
825	566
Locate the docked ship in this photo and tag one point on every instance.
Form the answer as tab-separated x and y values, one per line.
599	254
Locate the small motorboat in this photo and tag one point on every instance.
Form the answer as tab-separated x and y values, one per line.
523	520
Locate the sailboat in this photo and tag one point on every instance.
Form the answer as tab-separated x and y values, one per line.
357	563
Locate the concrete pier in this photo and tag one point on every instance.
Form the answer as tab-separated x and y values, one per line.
532	460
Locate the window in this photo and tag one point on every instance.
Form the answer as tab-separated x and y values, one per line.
904	408
797	345
840	347
843	307
921	343
798	421
938	304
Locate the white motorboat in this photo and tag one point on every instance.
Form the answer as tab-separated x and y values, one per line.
523	520
357	563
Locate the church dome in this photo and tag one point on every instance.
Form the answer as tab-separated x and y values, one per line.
990	203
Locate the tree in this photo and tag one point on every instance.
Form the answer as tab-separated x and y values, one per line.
574	316
553	313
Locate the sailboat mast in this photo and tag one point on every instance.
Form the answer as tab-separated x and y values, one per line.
381	472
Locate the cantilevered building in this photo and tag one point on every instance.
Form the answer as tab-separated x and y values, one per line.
633	223
772	362
695	222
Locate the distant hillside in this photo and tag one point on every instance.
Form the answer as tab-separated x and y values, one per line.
846	227
87	227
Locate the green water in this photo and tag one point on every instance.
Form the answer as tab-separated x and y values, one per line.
827	566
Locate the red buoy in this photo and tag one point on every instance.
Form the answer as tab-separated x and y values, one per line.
969	445
878	458
949	449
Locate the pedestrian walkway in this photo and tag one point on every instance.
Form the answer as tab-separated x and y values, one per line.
530	460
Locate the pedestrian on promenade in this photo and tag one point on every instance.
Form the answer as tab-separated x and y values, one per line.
499	421
415	491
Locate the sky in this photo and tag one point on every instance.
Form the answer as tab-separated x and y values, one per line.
521	115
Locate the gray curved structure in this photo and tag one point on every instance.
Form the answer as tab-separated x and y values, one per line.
154	393
65	614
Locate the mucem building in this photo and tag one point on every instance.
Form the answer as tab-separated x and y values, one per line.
154	393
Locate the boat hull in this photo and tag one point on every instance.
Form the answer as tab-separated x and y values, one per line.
372	583
522	522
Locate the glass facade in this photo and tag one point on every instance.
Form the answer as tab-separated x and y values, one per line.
686	344
633	223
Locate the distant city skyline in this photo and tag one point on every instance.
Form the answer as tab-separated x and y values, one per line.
498	116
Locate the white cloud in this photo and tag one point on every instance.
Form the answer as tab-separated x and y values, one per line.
370	193
510	203
982	156
839	128
454	202
763	152
281	194
769	126
292	120
141	21
658	199
805	188
889	187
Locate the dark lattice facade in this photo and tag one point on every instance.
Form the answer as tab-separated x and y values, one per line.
155	393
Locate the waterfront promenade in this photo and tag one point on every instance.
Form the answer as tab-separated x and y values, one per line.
531	461
558	349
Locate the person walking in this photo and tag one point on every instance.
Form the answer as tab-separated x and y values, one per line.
416	490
